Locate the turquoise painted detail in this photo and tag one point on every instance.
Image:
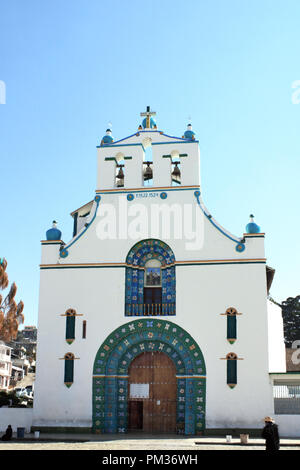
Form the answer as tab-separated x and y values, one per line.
240	247
53	234
163	195
252	227
152	123
189	135
111	368
178	139
197	195
135	301
130	197
64	252
107	139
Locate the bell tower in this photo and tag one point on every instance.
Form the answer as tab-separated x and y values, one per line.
127	164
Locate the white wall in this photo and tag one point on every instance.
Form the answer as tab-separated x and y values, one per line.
289	425
16	417
203	293
277	355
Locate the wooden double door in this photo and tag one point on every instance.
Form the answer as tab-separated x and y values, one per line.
152	393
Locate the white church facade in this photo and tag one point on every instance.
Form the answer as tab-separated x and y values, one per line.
153	317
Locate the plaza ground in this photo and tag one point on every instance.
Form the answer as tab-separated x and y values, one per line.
137	442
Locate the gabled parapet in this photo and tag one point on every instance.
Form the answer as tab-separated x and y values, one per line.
130	153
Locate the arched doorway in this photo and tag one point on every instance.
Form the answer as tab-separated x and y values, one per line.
152	392
111	374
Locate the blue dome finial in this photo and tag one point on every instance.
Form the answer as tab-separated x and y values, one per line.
189	134
252	227
53	233
108	138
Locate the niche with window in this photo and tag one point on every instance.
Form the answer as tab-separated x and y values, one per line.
150	279
152	285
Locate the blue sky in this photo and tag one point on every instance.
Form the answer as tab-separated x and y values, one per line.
71	66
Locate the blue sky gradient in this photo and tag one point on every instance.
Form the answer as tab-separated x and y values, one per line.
71	67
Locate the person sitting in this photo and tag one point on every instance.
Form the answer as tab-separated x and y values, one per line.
8	434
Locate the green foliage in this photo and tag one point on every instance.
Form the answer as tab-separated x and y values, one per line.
291	320
9	399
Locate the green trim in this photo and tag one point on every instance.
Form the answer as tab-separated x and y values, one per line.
180	155
151	190
58	242
114	159
285	373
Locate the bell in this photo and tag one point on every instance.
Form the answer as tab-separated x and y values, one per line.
120	174
176	172
148	175
120	177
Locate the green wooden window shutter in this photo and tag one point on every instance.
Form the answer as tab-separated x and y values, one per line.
231	372
231	328
69	370
70	327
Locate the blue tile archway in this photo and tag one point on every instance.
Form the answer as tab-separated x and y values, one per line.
136	259
110	374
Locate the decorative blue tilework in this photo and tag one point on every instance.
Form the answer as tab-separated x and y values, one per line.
112	362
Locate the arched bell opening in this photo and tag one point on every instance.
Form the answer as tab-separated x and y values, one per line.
147	163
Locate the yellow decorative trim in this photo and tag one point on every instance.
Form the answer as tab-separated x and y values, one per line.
152	189
101	376
261	235
190	376
74	315
177	263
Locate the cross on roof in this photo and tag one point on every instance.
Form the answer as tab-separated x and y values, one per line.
148	114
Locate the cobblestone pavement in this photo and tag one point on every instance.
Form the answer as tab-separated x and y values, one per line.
92	442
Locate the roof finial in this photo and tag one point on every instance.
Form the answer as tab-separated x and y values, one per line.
252	227
148	121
